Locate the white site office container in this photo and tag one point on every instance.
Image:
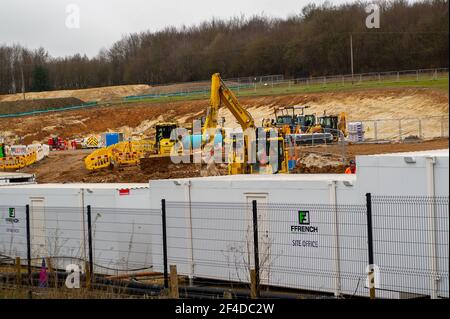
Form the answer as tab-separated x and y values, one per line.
413	174
406	174
58	222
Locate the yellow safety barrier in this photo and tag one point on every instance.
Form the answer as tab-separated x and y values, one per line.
17	162
127	158
98	159
123	153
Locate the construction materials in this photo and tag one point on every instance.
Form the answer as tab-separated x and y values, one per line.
355	132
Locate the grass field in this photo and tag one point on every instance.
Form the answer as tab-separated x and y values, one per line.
439	84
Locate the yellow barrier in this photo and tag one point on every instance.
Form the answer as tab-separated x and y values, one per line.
98	159
123	153
17	162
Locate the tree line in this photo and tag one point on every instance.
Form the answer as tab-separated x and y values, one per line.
313	42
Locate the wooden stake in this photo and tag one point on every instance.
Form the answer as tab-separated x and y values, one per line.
88	275
174	293
52	273
253	283
18	272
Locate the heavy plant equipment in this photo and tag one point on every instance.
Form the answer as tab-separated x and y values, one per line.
163	142
222	95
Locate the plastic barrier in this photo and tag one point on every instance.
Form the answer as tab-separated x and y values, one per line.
98	159
123	153
127	158
42	150
18	150
17	162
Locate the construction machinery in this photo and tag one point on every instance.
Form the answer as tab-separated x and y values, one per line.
307	128
240	162
294	122
163	142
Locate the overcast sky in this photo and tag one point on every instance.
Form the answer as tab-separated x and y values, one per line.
35	23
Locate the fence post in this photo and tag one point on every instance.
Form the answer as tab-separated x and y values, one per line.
27	211
253	284
18	272
398	76
420	128
375	128
164	232
256	246
417	75
174	293
91	261
370	245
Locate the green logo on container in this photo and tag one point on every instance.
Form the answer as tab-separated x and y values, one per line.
12	213
303	217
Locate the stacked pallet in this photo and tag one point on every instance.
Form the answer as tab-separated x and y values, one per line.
356	132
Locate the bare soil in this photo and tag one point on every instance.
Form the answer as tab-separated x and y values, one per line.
68	166
139	117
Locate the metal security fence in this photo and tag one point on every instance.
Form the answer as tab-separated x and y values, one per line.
411	237
405	129
292	250
264	83
382	247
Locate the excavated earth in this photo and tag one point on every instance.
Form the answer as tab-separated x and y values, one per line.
140	117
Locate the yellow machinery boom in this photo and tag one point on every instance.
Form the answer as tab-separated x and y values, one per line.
221	94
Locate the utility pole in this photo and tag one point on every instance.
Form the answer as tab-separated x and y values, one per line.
23	81
351	54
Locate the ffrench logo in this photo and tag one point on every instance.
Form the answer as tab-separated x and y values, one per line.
303	217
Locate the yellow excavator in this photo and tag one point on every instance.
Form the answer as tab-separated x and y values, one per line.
222	95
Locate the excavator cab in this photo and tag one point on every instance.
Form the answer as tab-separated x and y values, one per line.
329	122
263	164
334	124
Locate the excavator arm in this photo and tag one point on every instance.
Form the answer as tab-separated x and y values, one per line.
221	94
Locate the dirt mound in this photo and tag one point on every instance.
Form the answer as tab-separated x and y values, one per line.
95	94
8	107
312	163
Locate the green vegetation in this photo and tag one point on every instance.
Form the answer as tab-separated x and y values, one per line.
313	41
439	84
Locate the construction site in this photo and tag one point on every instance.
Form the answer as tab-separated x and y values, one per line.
273	186
123	163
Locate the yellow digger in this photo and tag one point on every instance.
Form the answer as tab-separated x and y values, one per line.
240	162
